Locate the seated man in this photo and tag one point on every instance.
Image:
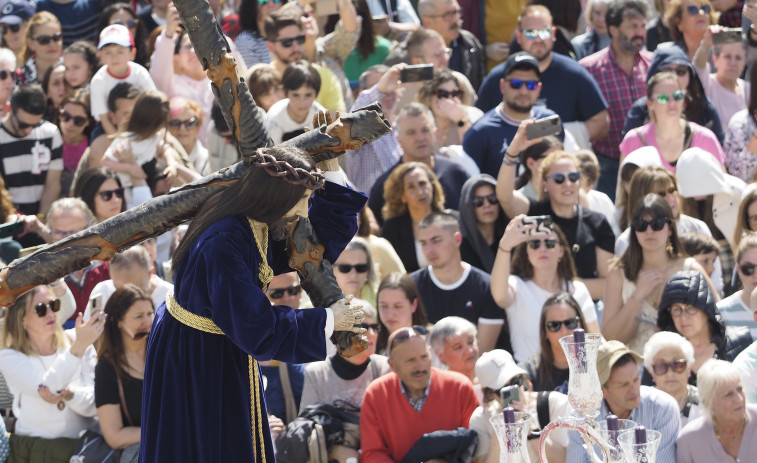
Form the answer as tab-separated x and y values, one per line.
413	400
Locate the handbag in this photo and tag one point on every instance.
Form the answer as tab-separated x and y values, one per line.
92	447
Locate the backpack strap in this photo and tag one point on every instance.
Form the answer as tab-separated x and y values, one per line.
641	137
286	387
542	408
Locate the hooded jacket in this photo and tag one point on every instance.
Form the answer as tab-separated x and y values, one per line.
638	114
474	249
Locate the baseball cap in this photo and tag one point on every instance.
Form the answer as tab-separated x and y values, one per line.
15	11
609	353
521	60
115	34
496	368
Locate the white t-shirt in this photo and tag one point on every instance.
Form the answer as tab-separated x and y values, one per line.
278	122
524	313
103	82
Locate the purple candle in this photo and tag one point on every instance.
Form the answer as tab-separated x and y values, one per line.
640	434
612	429
509	415
579	339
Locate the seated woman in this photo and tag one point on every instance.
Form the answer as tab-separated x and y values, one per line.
668	358
101	189
354	271
728	429
541	265
121	368
741	142
453	340
482	222
50	374
688	308
399	306
185	119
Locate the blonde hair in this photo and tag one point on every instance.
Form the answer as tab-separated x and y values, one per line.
39	19
546	164
710	377
14	334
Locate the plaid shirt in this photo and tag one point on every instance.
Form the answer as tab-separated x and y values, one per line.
732	16
416	404
619	90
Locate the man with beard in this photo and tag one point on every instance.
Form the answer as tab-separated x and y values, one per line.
489	137
621	71
413	400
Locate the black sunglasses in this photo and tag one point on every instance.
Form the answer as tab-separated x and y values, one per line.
107	195
747	269
286	43
554	326
347	268
11	28
189	123
373	326
279	292
694	10
679	71
42	307
403	334
441	93
25	125
516	84
548	243
46	39
6	74
79	121
657	224
131	23
677	366
572	177
479	201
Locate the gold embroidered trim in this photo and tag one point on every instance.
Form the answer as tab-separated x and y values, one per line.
265	273
190	319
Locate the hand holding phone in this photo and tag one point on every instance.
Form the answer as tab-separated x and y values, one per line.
551	125
509	394
417	73
543	224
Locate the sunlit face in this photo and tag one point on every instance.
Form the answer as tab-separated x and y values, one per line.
488	212
731	61
411	360
448	27
672	109
543	257
371	334
558	313
448	86
78	71
565	193
117	58
689	326
134	274
460	353
416	137
693	24
395	309
670	193
287	54
267	100
435	51
266	9
417	189
190	65
748	257
50	52
66	222
536	47
284	282
729	402
123	110
440	246
631	34
300	102
187	136
351	282
6	85
16	40
111	208
623	389
653	240
40	328
520	100
598	19
670	382
137	320
56	88
69	129
751	212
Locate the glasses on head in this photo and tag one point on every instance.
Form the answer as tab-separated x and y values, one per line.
107	195
46	39
694	10
130	23
6	74
265	2
347	268
279	292
25	125
188	123
747	269
286	43
370	326
680	71
677	310
555	325
403	334
448	15
516	84
573	177
456	93
543	34
641	225
42	307
79	121
549	243
10	28
677	366
479	201
664	98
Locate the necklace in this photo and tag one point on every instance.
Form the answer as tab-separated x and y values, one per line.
732	439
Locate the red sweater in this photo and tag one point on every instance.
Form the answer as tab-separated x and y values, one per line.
389	425
81	291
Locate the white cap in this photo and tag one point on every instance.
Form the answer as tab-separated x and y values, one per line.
496	368
115	34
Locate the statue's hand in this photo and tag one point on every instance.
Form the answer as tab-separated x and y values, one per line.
347	317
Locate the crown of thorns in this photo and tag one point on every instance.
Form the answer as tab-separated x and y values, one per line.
281	169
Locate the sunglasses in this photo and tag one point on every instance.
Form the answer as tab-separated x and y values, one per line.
46	39
265	2
26	125
664	98
6	74
695	10
403	334
42	307
548	243
279	292
131	23
479	201
679	71
554	326
677	366
10	28
347	268
516	84
107	195
189	123
573	177
543	34
286	43
747	269
370	326
641	225
441	93
79	121
678	310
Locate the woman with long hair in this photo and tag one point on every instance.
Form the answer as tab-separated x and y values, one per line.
44	45
535	264
14	28
75	124
746	222
529	182
370	49
741	137
399	306
596	37
7	79
55	87
120	369
123	14
482	222
687	21
184	123
251	41
101	189
355	272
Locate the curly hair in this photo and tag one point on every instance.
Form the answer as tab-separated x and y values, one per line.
394	189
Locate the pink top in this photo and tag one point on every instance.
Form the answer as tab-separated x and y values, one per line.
702	137
72	154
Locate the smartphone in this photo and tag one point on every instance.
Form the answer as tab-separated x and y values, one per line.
543	224
326	8
11	229
551	125
96	304
417	73
509	394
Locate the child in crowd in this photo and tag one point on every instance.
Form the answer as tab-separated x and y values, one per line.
265	86
290	117
81	61
117	51
704	249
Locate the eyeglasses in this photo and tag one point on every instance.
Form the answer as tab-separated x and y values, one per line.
107	195
516	84
555	325
6	74
670	191
42	307
347	268
543	34
641	225
447	15
10	28
446	52
676	365
189	123
131	23
46	39
456	93
680	71
279	292
573	177
548	243
265	2
479	201
695	10
286	43
370	326
403	334
25	125
664	98
63	233
79	121
747	269
676	310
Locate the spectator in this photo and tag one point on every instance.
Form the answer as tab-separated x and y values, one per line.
528	182
51	377
7	79
154	14
703	248
75	125
371	49
565	17
657	30
745	224
383	254
535	264
741	140
265	85
81	62
440	400
728	428
101	189
482	222
123	14
596	37
55	87
285	289
43	46
185	119
548	368
393	19
687	21
120	104
78	19
634	162
14	24
362	282
598	201
251	41
120	369
399	306
453	340
746	362
735	308
626	398
294	114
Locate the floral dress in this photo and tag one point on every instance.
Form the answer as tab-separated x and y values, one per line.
739	161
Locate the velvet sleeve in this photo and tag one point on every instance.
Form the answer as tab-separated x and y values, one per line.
333	214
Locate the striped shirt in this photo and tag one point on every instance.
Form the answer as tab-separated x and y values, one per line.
78	18
736	313
253	48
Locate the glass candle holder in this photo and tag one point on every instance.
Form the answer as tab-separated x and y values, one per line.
616	453
584	390
512	437
645	452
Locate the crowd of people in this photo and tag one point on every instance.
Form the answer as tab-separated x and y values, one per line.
486	237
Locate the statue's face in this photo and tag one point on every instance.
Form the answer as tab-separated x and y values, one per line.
301	208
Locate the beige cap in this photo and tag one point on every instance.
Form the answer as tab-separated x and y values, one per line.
496	368
609	353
